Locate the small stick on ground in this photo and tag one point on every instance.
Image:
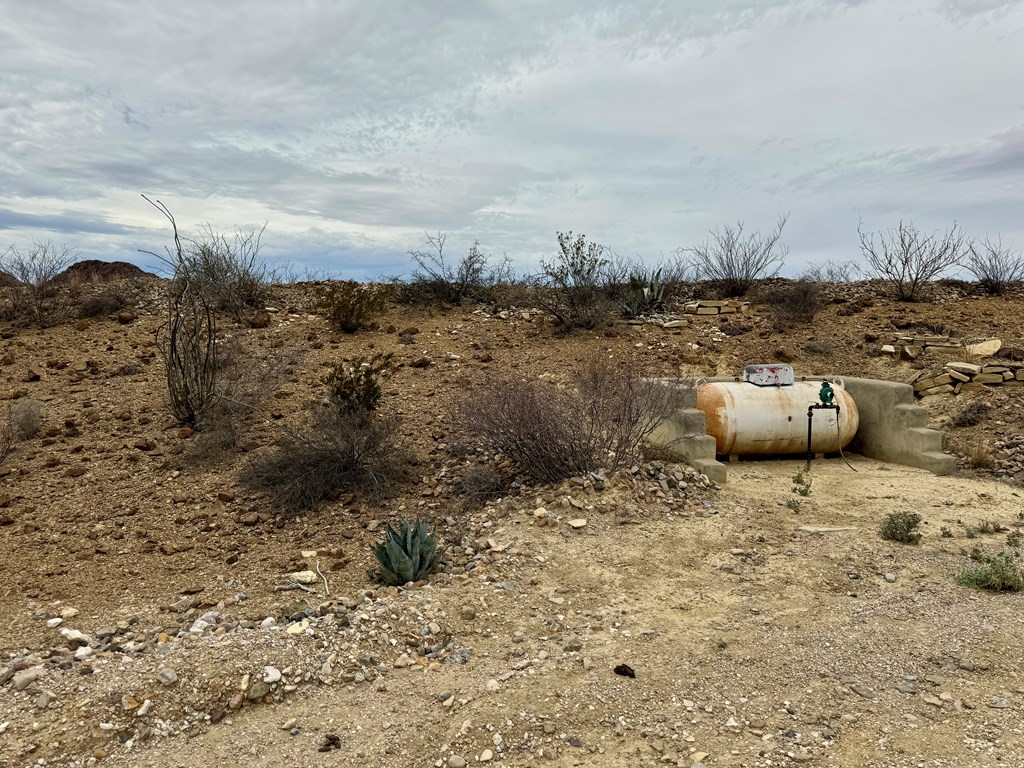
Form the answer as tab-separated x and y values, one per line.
294	585
327	587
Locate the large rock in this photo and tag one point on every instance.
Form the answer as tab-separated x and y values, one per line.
985	348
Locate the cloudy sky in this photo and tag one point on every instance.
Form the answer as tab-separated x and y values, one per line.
352	126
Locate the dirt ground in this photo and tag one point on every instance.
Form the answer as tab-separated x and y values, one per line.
756	638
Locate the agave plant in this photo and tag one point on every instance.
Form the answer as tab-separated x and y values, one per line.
645	293
408	554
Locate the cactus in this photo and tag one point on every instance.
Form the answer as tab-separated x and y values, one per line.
409	554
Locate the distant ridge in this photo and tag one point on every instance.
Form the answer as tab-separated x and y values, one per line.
94	270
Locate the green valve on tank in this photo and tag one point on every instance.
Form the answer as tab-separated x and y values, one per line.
827	394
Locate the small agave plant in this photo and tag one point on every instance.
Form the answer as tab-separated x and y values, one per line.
409	554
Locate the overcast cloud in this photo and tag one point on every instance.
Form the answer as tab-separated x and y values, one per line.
351	127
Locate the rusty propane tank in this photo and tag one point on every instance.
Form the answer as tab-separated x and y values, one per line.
751	420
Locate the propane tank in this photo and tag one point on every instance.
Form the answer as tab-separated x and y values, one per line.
751	420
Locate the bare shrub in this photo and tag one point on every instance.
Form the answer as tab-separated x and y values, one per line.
676	276
481	482
572	287
840	272
227	270
435	279
349	306
908	259
733	260
994	265
970	415
187	343
244	377
333	453
35	296
793	302
618	272
26	418
7	437
599	423
106	302
979	455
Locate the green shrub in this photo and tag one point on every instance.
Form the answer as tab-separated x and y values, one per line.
801	484
998	573
349	306
571	288
229	271
407	555
900	526
355	386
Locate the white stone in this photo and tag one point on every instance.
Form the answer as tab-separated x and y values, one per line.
271	675
985	348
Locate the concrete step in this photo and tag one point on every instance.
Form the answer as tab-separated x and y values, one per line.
695	422
715	470
910	415
937	462
922	440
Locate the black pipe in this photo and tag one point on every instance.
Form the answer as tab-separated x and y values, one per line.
810	420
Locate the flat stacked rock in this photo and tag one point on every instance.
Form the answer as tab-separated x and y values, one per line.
715	307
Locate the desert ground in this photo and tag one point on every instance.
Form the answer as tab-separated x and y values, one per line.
141	624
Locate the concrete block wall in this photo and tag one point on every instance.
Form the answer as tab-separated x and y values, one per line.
894	428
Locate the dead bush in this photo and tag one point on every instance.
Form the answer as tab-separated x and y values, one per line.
970	415
333	453
7	437
794	302
994	265
732	260
481	482
34	295
979	456
107	302
243	378
435	279
187	343
908	259
349	306
227	271
551	433
838	272
26	418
